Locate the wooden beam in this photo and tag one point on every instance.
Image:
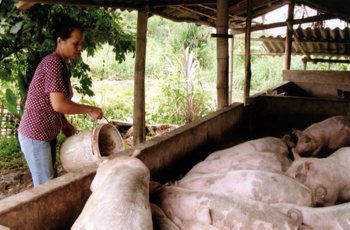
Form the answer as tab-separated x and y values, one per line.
230	15
91	3
114	4
230	69
183	8
295	53
248	71
263	53
330	7
289	36
276	39
25	5
157	3
325	60
222	54
290	27
182	19
139	129
240	10
267	9
281	24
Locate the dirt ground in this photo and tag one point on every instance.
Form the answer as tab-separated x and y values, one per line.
13	180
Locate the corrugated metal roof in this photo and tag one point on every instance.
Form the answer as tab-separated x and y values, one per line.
321	42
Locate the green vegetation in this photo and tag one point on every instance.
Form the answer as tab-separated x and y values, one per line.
11	154
180	66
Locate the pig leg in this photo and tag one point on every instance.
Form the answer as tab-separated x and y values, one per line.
193	224
296	155
160	221
203	217
314	153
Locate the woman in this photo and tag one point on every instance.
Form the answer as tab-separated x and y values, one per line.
49	98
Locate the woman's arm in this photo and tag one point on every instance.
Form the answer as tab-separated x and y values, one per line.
67	128
64	105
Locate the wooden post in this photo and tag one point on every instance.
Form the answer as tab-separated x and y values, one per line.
139	128
289	37
222	53
304	63
231	50
248	71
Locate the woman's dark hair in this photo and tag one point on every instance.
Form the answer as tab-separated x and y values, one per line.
63	26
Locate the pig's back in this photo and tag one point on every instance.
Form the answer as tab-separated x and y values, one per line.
265	144
261	186
269	160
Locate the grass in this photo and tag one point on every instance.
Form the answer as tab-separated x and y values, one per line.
11	154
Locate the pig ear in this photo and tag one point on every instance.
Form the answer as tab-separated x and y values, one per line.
297	132
155	186
296	155
309	166
102	160
136	153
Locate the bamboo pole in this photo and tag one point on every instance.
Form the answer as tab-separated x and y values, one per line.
289	38
290	26
139	128
316	60
248	71
231	52
222	53
295	53
277	39
281	24
25	5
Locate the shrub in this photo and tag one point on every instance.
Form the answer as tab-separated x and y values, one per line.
11	154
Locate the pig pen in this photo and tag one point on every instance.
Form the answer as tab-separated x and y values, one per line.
310	97
57	203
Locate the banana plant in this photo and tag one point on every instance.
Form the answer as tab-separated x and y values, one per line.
11	104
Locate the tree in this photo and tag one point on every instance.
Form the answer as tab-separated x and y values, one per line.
26	38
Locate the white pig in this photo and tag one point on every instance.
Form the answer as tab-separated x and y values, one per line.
336	217
332	133
333	172
265	144
269	160
235	168
261	186
120	197
222	210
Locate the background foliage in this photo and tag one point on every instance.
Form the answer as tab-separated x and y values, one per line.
180	65
26	38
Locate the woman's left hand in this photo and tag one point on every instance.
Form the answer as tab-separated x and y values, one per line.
68	129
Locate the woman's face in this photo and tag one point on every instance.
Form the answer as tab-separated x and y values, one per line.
71	47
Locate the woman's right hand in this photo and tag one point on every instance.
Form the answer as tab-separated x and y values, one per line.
96	113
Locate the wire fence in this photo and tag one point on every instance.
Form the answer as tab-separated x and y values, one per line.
7	120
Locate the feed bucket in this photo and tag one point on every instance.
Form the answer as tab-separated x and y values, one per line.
88	147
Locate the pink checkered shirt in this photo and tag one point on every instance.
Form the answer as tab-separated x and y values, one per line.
40	121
